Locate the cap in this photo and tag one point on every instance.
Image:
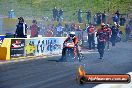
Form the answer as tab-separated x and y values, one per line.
21	18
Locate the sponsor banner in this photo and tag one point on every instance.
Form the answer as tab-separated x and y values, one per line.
1	39
30	47
43	46
107	78
116	85
17	48
83	77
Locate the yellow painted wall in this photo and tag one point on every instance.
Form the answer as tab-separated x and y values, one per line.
3	53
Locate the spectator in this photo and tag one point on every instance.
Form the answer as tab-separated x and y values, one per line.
79	28
34	29
79	16
89	17
95	19
73	25
60	14
118	14
99	18
55	13
119	36
116	18
67	27
128	32
21	30
104	17
115	31
122	21
59	30
49	33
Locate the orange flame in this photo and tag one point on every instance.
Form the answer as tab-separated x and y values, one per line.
81	71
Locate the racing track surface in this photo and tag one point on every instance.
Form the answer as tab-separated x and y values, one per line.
47	73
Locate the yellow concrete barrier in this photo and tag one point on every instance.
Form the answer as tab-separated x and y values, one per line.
5	49
3	53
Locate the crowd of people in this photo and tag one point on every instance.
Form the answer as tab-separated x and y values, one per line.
97	18
107	34
50	30
57	14
118	18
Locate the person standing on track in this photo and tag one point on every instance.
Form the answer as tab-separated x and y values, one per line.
109	33
91	33
115	31
101	38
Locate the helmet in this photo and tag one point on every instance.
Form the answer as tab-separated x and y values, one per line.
72	34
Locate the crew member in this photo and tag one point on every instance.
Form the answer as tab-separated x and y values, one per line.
109	33
91	33
101	38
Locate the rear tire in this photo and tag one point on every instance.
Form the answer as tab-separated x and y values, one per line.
69	54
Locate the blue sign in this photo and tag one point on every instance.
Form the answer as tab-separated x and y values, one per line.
1	38
45	46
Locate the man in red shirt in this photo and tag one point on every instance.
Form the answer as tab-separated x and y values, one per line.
109	33
101	38
34	29
91	33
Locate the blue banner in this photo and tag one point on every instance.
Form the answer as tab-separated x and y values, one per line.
43	46
1	38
